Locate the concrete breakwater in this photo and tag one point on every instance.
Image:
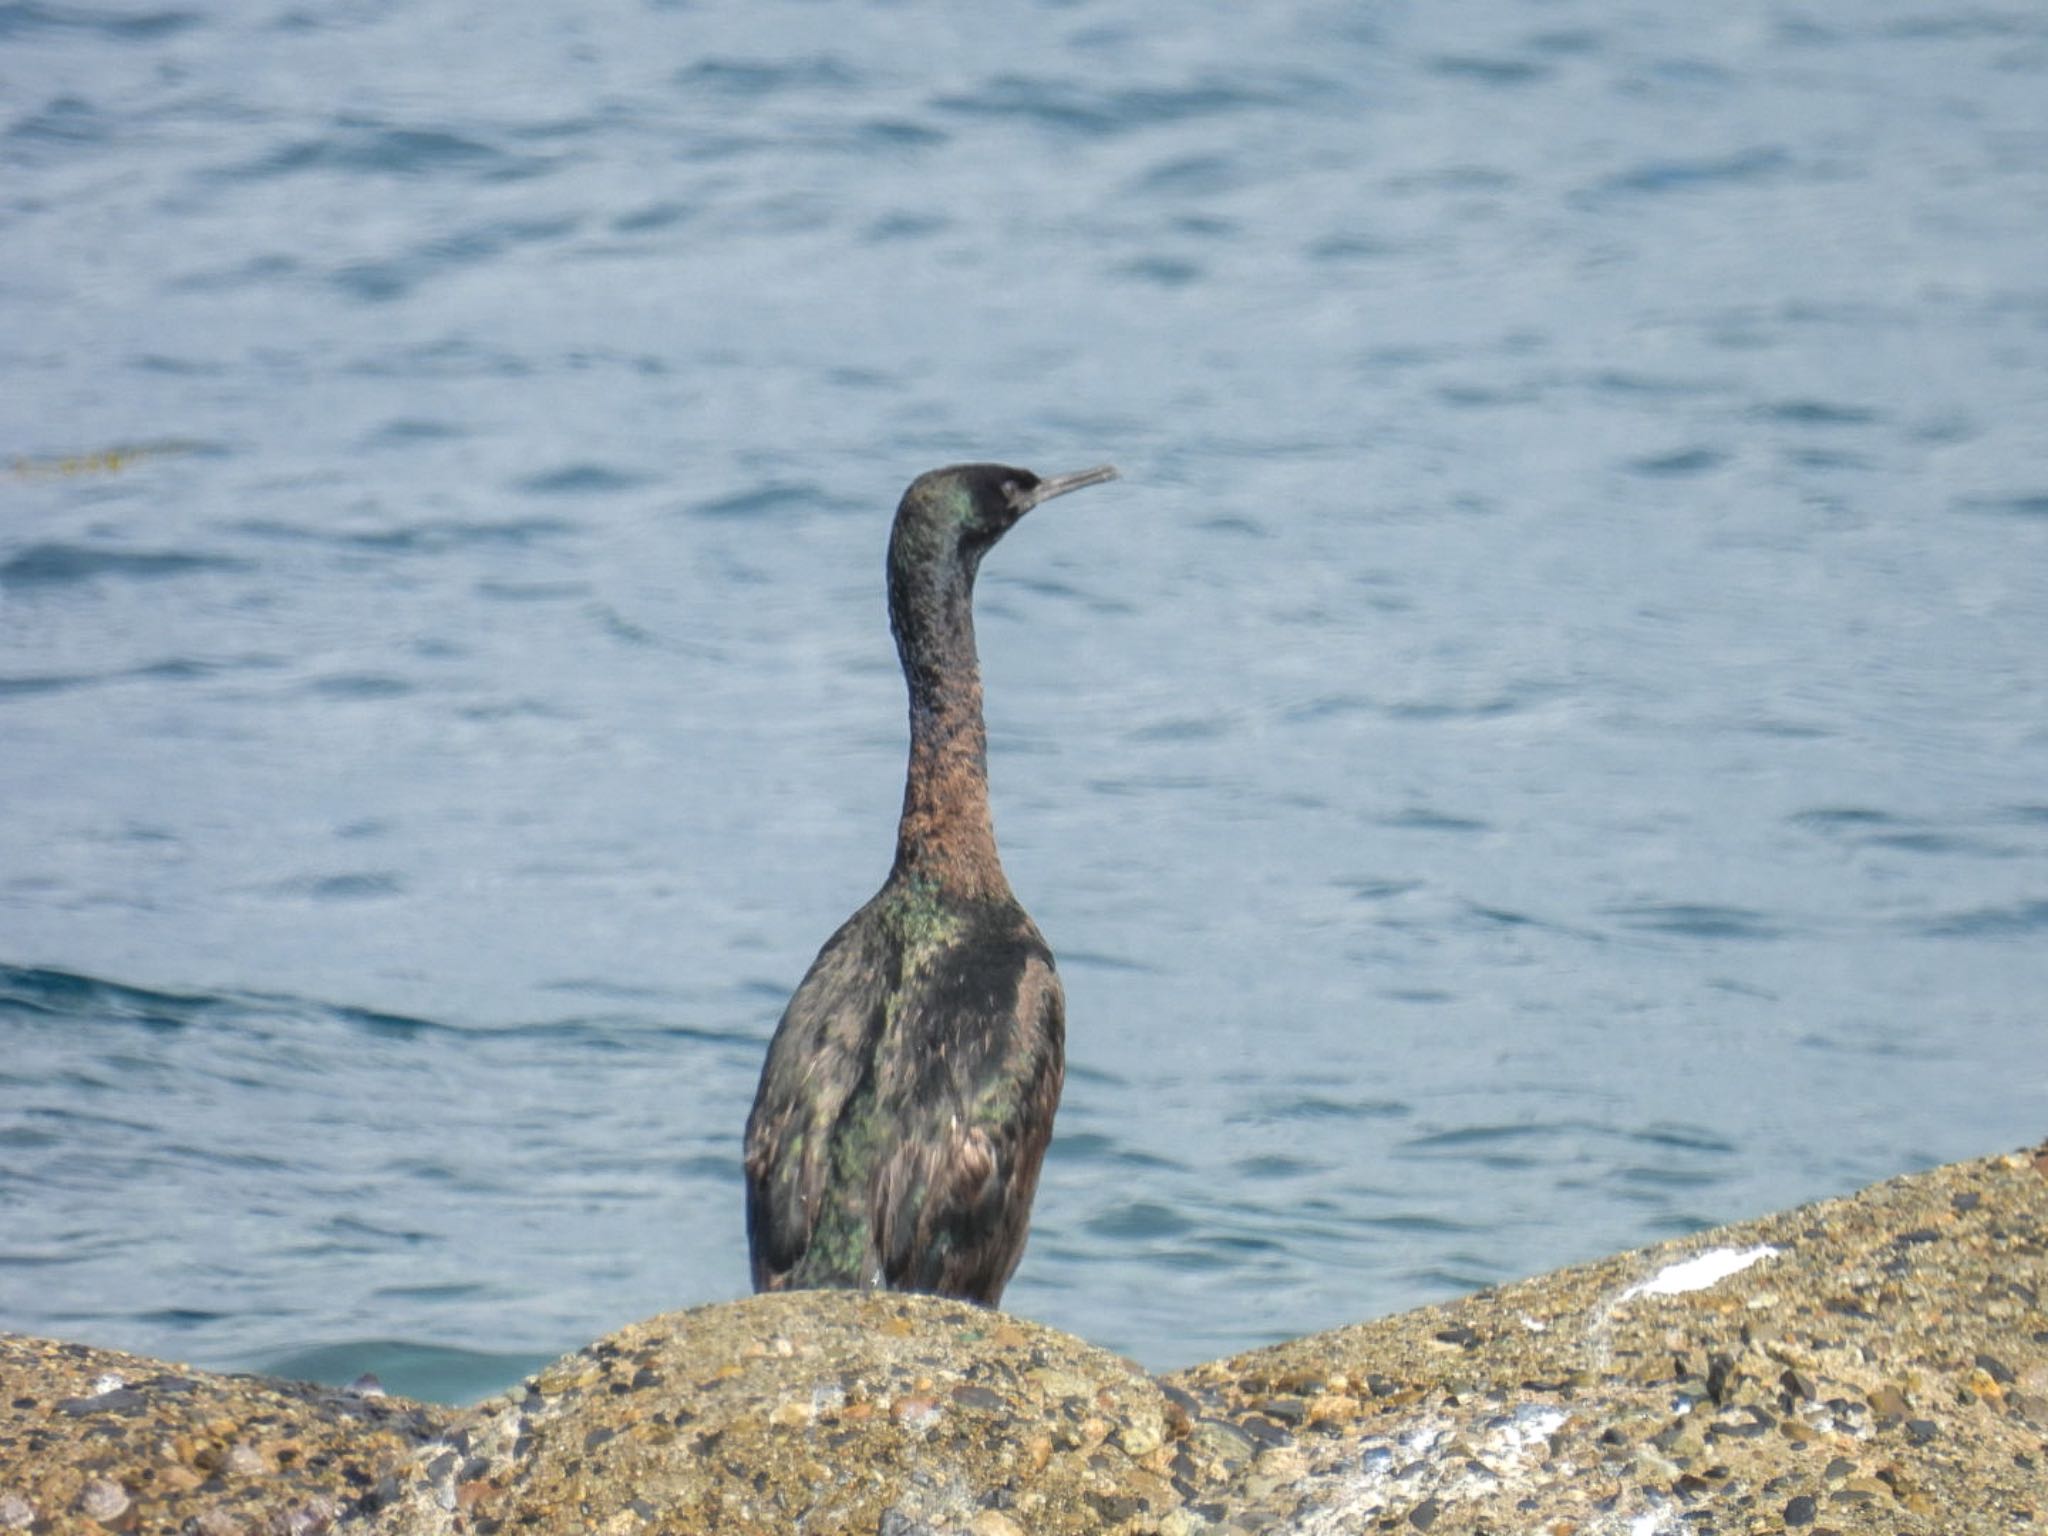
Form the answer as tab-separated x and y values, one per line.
1876	1363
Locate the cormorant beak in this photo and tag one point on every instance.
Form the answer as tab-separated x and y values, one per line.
1059	485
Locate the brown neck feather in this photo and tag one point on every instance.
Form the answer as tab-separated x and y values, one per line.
946	835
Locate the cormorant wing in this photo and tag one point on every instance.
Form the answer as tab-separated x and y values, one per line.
819	1059
952	1201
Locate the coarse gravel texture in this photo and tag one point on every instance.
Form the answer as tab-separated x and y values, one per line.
1867	1366
1882	1367
97	1440
837	1411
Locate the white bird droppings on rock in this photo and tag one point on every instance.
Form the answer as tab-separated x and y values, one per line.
1699	1271
1429	1470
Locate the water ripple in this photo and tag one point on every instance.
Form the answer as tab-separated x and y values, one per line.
30	990
1679	461
583	480
1311	1107
1817	413
49	682
1275	1166
436	537
746	79
1859	827
1699	920
1067	107
1488	71
367	147
57	565
2034	504
63	123
2021	919
382	280
1094	1147
404	431
769	501
1139	1221
368	885
138	26
1424	819
1655	177
652	218
361	685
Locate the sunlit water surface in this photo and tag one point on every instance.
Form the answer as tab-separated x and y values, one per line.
1546	749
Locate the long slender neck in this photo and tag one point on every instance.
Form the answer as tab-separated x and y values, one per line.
946	835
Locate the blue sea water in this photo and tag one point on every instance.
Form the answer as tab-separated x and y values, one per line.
1545	750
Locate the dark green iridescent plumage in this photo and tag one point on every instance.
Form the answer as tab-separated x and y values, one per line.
909	1091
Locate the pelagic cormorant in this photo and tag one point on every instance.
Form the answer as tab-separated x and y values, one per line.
909	1091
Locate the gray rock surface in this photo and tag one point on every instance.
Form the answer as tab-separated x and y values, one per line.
1875	1364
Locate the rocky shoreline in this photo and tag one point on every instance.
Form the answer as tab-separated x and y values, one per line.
1873	1364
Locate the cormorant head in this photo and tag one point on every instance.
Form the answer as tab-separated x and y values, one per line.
957	514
